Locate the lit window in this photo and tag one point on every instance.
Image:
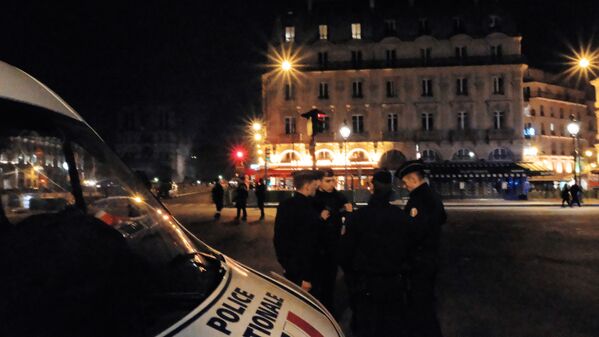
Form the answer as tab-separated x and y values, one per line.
323	32
356	31
289	33
464	155
429	156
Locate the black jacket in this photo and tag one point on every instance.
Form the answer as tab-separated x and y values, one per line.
260	190
242	196
430	213
297	226
217	193
334	203
378	239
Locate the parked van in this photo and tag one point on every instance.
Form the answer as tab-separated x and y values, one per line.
87	250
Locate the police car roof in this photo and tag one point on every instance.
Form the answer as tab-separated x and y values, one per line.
17	85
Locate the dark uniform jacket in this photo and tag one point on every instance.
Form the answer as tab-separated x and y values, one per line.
242	196
430	214
333	202
295	239
377	239
260	193
217	194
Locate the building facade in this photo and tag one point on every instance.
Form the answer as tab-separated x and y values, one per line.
409	84
153	139
550	104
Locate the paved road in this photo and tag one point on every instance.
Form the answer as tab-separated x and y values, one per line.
527	271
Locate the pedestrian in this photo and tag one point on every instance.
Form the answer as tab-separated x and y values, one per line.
296	230
566	196
241	198
373	253
575	192
328	198
426	207
260	190
217	197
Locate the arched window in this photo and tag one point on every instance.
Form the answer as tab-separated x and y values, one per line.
324	155
392	159
501	154
464	155
429	156
289	157
358	156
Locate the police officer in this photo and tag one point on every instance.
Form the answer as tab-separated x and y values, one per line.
328	198
427	208
372	253
297	226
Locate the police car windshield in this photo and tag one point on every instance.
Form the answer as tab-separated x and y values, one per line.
85	249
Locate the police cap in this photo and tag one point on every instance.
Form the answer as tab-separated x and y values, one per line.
409	167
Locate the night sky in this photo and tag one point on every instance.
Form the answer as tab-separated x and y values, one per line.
102	55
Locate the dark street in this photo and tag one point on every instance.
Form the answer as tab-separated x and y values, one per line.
526	271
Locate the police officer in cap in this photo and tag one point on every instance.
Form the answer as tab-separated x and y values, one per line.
328	198
372	253
297	229
427	208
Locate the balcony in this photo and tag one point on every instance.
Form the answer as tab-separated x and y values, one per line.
430	136
418	63
550	95
398	136
471	135
500	134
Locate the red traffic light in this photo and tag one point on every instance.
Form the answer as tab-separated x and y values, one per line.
321	115
239	154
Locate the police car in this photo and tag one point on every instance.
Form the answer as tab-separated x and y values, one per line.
80	257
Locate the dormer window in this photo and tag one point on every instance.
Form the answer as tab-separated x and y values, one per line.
356	31
289	34
458	25
323	32
390	27
494	21
423	25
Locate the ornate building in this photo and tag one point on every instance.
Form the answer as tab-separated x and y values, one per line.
410	84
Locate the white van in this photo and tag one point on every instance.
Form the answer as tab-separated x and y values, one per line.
78	258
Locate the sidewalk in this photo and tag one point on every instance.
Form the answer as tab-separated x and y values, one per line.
512	203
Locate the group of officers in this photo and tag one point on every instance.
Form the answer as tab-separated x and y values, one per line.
389	255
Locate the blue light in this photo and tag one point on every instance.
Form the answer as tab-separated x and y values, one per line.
530	132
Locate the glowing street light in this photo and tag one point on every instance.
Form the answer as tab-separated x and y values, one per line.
286	65
257	137
257	126
588	153
584	63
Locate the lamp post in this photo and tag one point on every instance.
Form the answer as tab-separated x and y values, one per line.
260	139
574	129
345	131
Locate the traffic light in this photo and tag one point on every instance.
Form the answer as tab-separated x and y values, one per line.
238	154
314	118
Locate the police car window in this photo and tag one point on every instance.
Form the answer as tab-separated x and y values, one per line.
34	175
102	246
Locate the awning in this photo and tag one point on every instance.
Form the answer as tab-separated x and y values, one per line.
552	177
475	170
534	168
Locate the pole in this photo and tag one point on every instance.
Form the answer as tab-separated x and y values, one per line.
313	151
345	162
576	159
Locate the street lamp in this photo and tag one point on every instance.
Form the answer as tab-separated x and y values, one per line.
345	131
574	128
286	65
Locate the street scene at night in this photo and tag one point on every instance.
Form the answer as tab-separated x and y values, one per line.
300	168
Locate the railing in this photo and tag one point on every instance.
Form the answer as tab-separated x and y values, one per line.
500	134
550	95
418	62
466	135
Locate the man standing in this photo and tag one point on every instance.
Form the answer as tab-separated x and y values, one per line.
260	190
575	191
373	253
241	198
217	197
328	198
296	230
427	208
